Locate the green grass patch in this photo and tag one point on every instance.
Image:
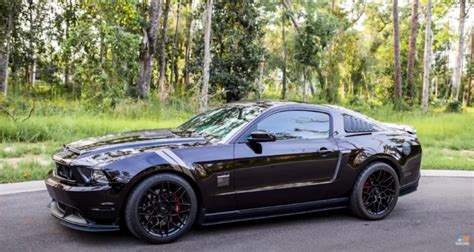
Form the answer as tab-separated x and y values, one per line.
447	138
65	128
26	146
24	170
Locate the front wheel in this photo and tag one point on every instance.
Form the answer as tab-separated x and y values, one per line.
161	208
375	192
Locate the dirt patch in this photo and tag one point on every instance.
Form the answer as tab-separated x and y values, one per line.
467	152
9	149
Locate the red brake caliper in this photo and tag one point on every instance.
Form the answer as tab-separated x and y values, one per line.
366	186
177	207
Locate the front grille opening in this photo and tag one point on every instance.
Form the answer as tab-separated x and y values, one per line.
65	172
61	207
71	214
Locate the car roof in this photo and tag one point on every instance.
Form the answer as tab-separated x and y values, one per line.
295	104
275	104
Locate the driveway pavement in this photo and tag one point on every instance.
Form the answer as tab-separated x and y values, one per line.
427	220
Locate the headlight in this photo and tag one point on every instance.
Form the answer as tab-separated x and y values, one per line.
99	177
406	148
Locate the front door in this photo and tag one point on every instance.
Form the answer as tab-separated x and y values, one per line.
290	169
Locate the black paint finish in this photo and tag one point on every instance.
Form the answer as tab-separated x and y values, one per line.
235	179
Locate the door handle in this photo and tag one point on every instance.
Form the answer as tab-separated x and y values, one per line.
324	151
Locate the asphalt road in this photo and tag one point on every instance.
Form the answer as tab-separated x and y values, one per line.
427	220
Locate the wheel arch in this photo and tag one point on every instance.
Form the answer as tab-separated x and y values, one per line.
383	159
134	182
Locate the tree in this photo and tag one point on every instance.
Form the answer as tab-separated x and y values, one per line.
412	48
236	51
68	17
164	40
396	53
188	49
311	42
459	50
174	64
8	12
260	77
147	48
471	70
283	54
427	60
207	55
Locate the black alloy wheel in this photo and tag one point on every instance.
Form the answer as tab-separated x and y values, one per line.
375	192
378	192
161	208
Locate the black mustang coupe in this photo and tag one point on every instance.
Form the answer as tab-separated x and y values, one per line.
241	161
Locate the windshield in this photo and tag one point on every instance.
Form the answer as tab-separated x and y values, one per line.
221	122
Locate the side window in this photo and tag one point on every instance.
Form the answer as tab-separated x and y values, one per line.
296	125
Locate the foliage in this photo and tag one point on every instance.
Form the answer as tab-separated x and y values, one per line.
89	49
236	48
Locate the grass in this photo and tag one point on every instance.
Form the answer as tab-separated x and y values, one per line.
447	138
26	146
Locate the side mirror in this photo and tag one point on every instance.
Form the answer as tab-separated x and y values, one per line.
261	136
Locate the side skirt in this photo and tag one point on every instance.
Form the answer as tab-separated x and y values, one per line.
271	211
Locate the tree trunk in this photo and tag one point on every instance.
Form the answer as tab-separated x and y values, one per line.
458	62
164	40
287	5
260	77
312	88
5	55
33	71
65	55
427	60
283	38
187	54
102	49
147	49
321	80
471	70
174	65
207	55
396	52
412	48
30	42
305	84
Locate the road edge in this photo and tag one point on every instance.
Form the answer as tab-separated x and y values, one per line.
21	187
39	185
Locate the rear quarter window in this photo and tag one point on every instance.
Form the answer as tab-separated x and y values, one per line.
353	124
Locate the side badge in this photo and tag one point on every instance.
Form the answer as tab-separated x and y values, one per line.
223	179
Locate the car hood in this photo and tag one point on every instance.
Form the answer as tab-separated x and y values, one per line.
400	127
120	145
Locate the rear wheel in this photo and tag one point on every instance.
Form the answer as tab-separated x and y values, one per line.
375	192
161	208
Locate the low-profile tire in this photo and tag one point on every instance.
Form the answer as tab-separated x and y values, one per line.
375	192
161	209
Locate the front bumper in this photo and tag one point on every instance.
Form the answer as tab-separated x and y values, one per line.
410	187
72	219
91	208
